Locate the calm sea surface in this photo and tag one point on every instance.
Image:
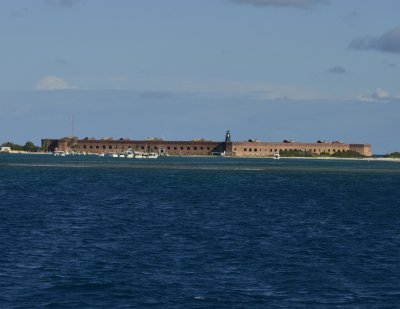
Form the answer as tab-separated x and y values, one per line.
78	232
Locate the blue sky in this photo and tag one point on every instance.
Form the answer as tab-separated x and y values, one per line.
270	69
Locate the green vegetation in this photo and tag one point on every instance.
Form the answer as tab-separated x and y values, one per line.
395	155
29	146
13	146
296	153
347	154
300	153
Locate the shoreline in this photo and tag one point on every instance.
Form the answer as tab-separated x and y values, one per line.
244	157
327	158
345	159
26	152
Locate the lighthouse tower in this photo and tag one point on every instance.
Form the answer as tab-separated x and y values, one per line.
227	136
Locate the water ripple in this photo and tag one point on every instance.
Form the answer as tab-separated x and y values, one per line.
212	233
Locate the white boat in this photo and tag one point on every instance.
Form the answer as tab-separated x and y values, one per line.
101	154
114	155
152	155
130	154
277	156
59	153
121	156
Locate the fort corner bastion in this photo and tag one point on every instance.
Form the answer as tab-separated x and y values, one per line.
197	147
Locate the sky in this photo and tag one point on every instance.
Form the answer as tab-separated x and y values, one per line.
183	69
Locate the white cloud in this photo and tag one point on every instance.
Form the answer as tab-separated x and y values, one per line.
52	83
378	95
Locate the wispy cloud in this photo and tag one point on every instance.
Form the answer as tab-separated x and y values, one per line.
387	42
159	95
350	16
251	89
62	3
52	83
389	64
337	70
299	4
19	12
62	61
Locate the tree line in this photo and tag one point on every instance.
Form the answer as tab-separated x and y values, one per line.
300	153
342	154
393	155
29	146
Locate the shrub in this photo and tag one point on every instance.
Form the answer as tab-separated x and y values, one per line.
347	154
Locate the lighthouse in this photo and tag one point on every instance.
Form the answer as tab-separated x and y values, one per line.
227	136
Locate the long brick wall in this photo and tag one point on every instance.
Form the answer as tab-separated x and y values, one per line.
193	148
185	148
261	149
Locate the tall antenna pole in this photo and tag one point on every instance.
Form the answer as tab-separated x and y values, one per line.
73	125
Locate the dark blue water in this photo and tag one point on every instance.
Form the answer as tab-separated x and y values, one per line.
80	232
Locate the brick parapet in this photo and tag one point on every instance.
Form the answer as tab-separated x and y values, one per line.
263	149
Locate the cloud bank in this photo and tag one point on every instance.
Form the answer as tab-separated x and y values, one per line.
378	95
387	42
299	4
52	83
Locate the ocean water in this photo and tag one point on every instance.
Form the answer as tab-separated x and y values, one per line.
88	232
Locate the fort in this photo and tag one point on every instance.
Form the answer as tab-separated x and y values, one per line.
199	147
